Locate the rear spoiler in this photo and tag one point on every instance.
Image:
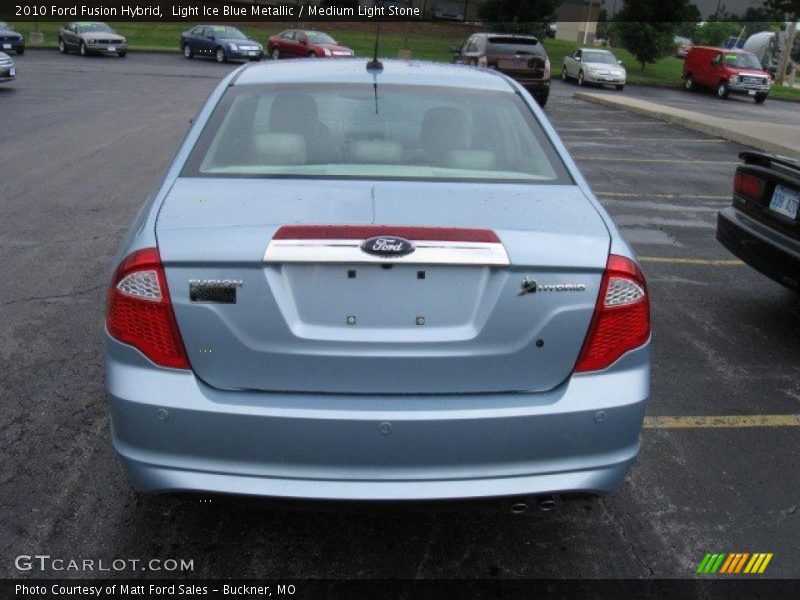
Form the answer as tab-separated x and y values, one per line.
762	159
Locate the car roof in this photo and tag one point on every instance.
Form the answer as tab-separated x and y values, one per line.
397	72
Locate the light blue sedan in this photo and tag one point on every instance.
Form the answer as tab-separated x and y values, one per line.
375	284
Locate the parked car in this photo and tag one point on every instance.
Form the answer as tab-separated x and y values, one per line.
8	71
402	288
762	227
10	39
91	38
726	71
521	57
297	43
682	46
221	42
591	65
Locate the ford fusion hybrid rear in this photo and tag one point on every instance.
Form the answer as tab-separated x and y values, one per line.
375	285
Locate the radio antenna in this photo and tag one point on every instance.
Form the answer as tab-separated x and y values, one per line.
375	64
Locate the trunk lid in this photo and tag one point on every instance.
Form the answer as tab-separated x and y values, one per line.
386	326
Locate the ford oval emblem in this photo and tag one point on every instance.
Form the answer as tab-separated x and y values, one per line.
387	246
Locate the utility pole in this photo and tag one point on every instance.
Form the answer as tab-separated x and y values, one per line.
788	44
586	24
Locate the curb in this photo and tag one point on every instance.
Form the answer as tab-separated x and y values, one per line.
722	128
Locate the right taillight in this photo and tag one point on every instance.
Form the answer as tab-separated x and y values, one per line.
139	311
748	186
621	320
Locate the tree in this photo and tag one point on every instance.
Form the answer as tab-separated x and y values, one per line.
714	33
647	28
789	8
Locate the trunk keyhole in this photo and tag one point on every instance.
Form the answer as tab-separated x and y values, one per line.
351	274
420	274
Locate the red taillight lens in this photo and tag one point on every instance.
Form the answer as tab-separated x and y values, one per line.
621	319
139	311
748	186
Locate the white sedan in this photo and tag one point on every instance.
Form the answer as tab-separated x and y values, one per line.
591	65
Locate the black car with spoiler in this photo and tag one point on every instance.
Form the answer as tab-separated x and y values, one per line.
762	226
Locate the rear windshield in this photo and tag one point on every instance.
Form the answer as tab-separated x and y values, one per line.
512	45
742	61
350	131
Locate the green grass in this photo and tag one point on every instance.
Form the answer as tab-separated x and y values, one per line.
430	41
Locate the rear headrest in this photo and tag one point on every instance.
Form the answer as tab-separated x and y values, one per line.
293	113
477	160
280	148
444	128
375	152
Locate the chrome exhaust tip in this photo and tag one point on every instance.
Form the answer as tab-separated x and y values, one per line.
547	504
519	508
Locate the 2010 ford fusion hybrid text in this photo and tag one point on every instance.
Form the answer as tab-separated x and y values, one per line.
386	283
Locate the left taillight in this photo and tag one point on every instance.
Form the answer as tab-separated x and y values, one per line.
139	311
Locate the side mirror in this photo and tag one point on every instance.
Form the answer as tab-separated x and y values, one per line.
212	37
304	42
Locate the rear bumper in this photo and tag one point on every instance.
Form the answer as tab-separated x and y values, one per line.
769	252
176	434
535	87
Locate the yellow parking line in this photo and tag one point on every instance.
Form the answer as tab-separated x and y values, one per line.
692	261
664	196
722	422
629	139
658	160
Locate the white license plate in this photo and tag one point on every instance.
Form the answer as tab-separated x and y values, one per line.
112	48
6	46
252	53
751	92
12	72
785	201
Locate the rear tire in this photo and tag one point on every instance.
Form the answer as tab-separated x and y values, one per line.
311	55
620	87
541	99
62	46
760	98
688	83
275	54
220	55
722	90
187	51
122	54
20	50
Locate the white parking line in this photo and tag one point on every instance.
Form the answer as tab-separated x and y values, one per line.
645	195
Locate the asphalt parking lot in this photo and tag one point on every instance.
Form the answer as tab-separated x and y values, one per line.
85	141
734	107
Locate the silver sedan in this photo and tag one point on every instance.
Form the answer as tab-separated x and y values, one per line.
593	65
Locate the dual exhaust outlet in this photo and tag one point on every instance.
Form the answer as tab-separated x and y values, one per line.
542	503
